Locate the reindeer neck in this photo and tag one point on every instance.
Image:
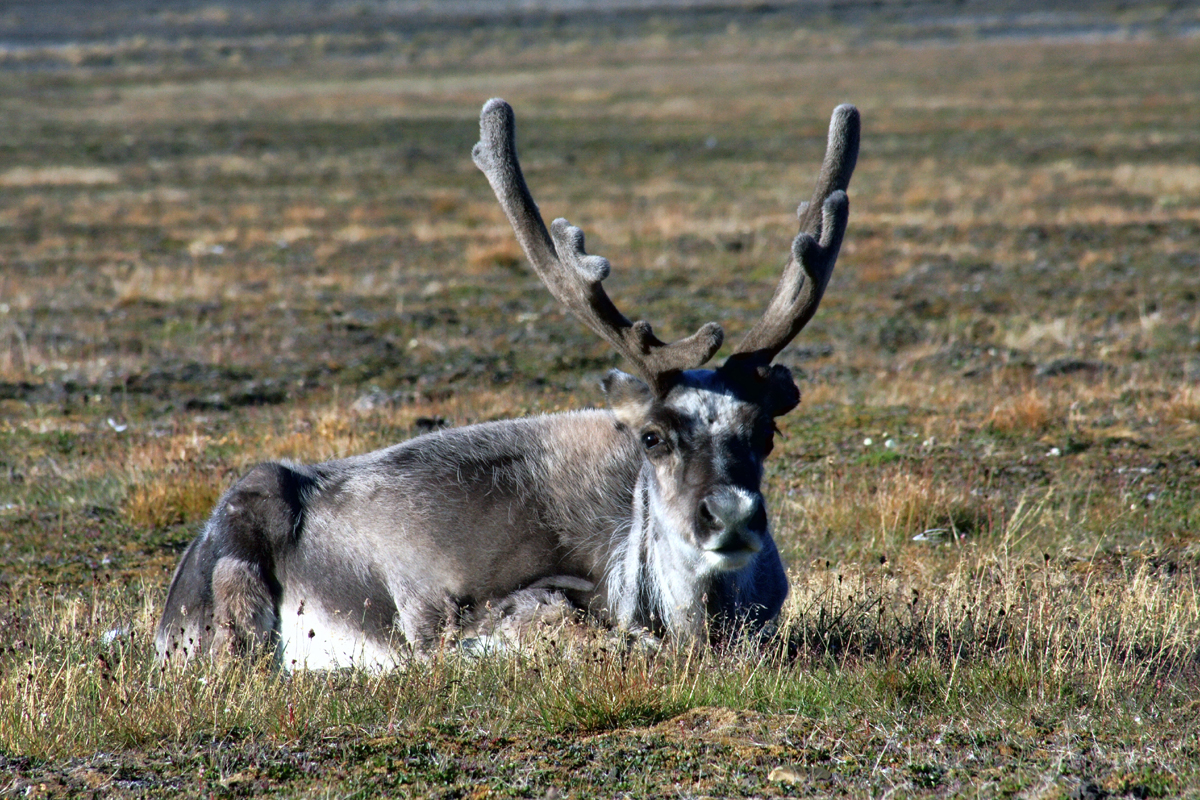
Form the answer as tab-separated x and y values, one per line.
653	577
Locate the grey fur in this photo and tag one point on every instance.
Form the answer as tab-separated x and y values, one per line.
648	516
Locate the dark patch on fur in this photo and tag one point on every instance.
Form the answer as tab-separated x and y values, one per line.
362	601
737	601
770	387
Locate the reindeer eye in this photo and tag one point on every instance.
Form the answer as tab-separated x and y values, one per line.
651	440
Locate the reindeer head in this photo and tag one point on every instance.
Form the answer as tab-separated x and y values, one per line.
705	433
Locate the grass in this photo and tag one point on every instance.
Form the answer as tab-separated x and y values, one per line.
245	248
984	662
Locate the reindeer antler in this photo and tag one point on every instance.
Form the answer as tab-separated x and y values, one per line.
814	250
571	275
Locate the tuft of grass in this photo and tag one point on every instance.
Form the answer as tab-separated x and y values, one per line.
607	694
505	254
1183	405
1029	412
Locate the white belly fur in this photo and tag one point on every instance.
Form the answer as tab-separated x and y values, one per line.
313	637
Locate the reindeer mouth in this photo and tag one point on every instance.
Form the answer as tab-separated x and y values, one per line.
733	552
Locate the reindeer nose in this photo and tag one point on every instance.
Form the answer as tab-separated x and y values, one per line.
733	519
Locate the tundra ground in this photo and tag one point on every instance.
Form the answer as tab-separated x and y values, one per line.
223	242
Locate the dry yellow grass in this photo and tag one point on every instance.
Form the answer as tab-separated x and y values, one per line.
1183	404
1032	411
179	495
882	513
59	176
485	258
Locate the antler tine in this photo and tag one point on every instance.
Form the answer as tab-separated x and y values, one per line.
571	275
815	248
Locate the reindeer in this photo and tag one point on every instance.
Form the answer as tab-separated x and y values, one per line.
648	516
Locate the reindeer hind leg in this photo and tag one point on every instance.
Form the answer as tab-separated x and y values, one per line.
257	520
225	595
244	617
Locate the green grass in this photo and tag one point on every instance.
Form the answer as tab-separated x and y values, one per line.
937	691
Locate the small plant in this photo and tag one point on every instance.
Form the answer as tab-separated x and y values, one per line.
926	776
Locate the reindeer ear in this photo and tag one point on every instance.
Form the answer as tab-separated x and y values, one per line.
782	393
628	397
